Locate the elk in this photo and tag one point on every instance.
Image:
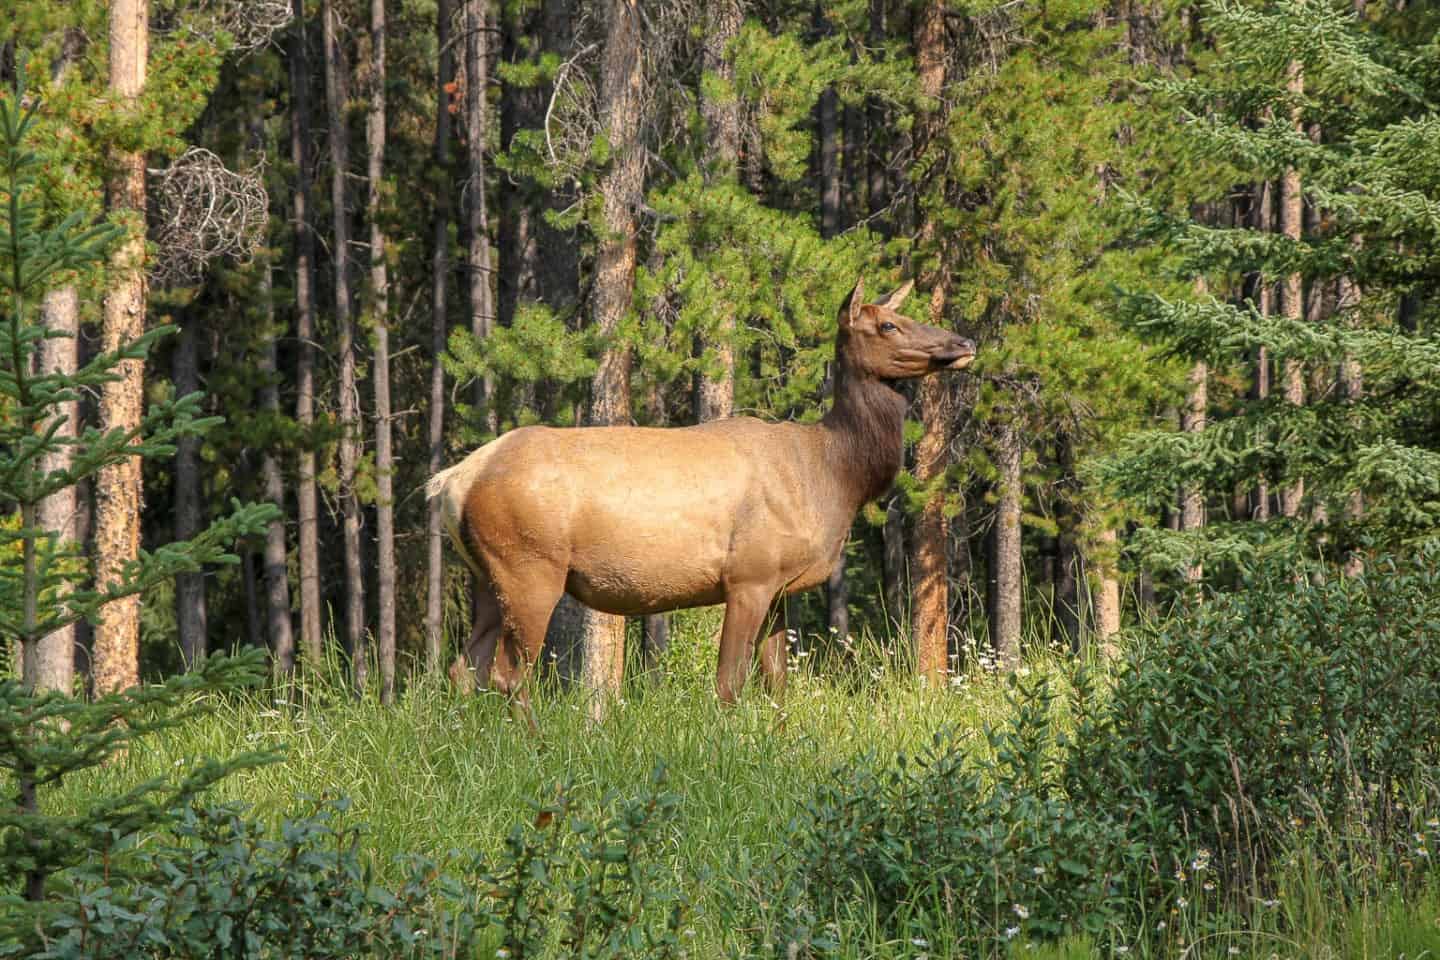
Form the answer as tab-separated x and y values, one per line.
636	520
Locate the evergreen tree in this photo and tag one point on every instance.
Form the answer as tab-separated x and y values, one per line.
1369	88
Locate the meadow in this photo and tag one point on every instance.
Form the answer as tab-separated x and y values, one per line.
440	772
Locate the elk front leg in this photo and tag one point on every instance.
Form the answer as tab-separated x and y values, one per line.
774	656
745	610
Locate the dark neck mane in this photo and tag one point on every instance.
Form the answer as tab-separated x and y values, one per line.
867	420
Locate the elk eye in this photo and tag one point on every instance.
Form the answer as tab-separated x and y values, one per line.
888	327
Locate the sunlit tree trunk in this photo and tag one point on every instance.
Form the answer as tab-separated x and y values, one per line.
53	666
721	116
1005	558
116	663
930	606
1292	299
620	193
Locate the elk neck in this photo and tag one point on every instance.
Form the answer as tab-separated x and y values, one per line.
866	424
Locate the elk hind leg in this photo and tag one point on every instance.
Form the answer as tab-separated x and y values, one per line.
774	657
471	669
527	599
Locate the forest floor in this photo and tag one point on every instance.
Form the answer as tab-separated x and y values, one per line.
439	772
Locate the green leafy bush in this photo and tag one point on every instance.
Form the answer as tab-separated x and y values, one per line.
982	838
1283	701
1233	728
213	882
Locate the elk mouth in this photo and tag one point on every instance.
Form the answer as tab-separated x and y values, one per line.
957	358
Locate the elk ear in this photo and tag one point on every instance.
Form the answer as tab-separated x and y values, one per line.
850	309
893	301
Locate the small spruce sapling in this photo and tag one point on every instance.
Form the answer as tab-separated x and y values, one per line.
45	736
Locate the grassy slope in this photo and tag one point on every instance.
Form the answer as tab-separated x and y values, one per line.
440	771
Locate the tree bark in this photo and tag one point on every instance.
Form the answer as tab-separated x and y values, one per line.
877	192
1352	387
1292	300
1264	222
53	666
721	116
477	240
276	563
1067	555
1005	560
190	612
439	334
380	316
930	607
1192	497
1107	596
336	101
306	497
621	190
116	664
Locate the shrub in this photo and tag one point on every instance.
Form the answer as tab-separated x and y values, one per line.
1282	701
982	839
215	882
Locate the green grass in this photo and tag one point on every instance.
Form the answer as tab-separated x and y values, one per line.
440	771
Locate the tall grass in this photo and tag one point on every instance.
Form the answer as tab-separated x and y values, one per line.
440	771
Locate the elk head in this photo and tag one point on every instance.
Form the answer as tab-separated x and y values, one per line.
877	341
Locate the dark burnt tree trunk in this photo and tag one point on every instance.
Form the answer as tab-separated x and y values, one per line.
190	614
837	592
621	188
306	496
336	97
439	334
1067	555
1264	220
380	318
275	565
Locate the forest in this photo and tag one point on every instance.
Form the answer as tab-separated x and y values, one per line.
269	265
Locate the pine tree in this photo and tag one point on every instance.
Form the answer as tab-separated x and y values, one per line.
1366	89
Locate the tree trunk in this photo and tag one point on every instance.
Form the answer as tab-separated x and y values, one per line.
1192	497
276	564
118	488
877	192
439	334
380	316
621	190
721	116
1107	596
1352	386
477	239
190	614
336	100
1292	300
306	498
1264	222
930	607
1005	560
51	664
1067	554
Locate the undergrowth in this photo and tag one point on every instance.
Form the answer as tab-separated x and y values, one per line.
1255	777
